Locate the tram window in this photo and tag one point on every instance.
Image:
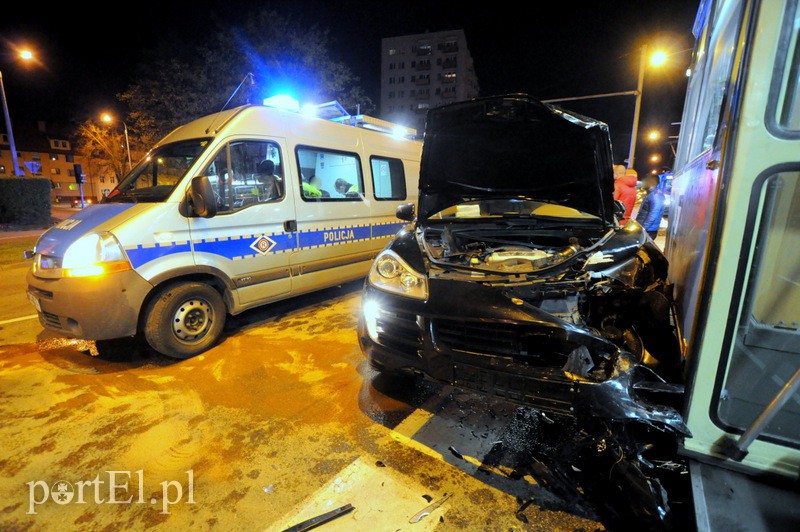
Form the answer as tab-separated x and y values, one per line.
722	49
790	111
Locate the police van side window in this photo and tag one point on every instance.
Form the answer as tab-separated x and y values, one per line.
329	175
388	178
246	173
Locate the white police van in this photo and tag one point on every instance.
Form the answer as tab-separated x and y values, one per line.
228	212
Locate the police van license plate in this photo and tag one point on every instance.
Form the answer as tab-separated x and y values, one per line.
35	302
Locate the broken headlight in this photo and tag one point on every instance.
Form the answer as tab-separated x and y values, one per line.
390	273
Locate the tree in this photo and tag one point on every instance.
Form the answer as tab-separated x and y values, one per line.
103	149
283	54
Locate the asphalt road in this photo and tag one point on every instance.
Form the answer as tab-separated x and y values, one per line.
282	421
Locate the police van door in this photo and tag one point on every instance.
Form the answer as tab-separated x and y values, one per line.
252	236
333	219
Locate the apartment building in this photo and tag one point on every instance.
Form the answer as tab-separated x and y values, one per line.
422	71
45	150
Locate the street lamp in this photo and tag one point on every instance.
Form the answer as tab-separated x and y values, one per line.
655	158
25	55
657	59
107	118
654	135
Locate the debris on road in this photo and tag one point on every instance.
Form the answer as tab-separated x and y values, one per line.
455	452
314	522
425	512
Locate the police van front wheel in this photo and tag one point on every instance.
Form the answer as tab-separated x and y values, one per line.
184	320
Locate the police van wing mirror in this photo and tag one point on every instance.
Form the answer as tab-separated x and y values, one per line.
202	201
406	212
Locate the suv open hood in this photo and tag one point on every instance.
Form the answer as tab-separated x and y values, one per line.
515	145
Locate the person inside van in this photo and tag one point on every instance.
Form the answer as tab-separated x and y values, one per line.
313	188
345	189
270	183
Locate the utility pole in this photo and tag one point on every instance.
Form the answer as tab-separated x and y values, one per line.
637	109
13	146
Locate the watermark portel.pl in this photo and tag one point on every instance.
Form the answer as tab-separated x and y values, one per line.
114	490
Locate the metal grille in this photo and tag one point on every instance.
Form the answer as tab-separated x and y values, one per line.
477	337
51	320
399	330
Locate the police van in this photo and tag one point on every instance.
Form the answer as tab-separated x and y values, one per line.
231	211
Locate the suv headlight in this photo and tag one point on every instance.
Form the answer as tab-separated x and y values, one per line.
391	273
94	254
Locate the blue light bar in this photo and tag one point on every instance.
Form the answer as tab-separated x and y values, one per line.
283	101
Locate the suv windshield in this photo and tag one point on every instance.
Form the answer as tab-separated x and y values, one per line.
155	177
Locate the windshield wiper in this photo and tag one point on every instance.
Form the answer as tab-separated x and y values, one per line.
467	185
118	196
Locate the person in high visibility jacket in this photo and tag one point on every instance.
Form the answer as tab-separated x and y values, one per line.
344	188
311	188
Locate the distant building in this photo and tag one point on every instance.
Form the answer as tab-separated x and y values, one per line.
419	72
45	150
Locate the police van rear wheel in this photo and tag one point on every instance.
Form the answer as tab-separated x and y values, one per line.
185	319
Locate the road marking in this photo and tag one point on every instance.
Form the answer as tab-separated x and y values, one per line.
407	432
23	318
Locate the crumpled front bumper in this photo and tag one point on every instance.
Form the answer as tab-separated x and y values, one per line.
475	337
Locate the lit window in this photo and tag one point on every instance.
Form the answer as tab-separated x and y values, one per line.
392	51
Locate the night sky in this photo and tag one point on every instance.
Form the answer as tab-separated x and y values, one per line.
560	51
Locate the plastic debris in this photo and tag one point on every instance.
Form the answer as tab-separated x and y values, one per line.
425	512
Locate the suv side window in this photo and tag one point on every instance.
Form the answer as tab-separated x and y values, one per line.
245	173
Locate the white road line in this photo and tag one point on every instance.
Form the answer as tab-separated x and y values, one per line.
23	318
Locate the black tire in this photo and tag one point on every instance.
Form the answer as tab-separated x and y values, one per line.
185	319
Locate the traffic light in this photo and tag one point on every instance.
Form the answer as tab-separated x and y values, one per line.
78	173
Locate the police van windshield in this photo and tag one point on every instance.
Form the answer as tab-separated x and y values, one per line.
155	177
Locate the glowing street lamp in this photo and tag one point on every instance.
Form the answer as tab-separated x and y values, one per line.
25	55
655	158
654	135
108	119
656	60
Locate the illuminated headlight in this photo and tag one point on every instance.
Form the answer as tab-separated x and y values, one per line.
390	273
94	254
371	310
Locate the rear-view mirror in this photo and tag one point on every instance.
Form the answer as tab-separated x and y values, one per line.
202	201
406	212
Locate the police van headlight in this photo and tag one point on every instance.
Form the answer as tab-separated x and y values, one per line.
94	254
391	273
